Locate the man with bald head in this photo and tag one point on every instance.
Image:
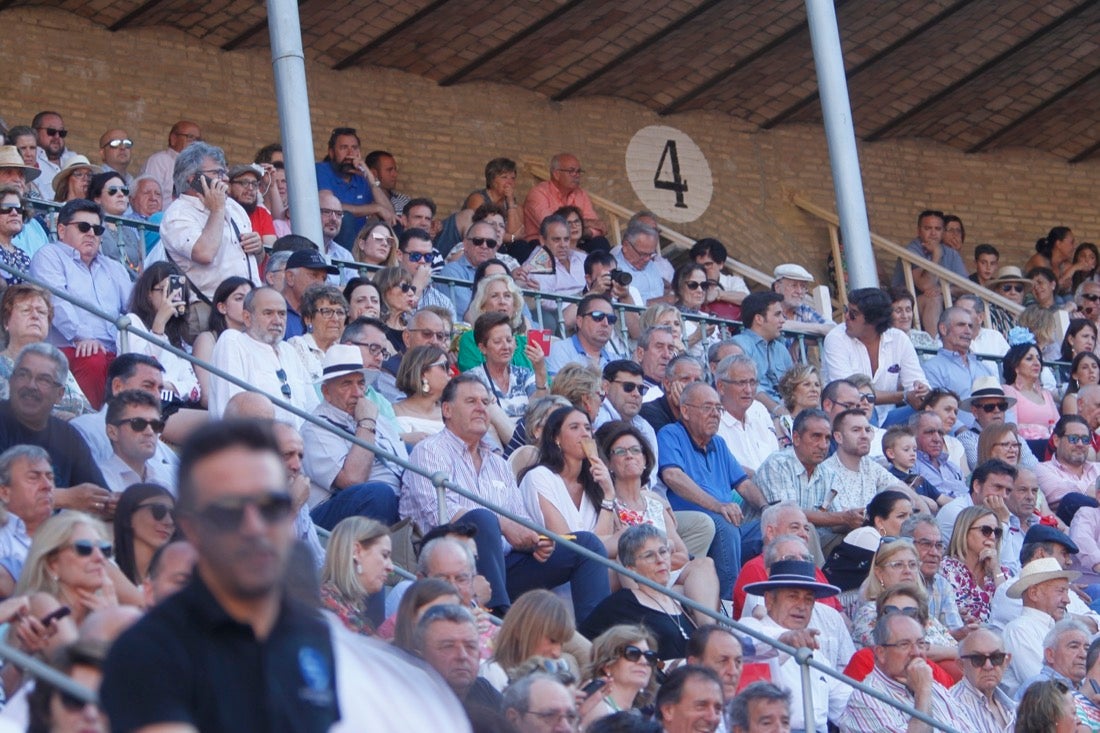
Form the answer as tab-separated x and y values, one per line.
332	217
563	189
161	165
116	148
702	475
980	702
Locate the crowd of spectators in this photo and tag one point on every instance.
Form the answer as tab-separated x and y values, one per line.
916	506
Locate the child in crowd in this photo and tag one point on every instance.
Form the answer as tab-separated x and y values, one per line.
899	445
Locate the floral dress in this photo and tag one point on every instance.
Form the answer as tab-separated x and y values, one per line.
973	599
353	616
16	259
863	627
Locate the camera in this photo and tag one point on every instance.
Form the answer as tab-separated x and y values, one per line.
619	277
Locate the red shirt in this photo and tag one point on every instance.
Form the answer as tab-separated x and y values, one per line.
863	661
262	223
753	572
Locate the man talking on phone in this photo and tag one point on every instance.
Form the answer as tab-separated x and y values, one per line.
205	233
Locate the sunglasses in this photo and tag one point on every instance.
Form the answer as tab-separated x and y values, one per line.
382	238
225	515
11	209
115	190
1013	288
72	703
1091	297
869	397
1077	439
979	660
992	407
599	316
911	612
420	256
54	132
695	285
629	387
84	227
159	511
633	654
484	242
138	424
85	548
120	143
988	531
284	387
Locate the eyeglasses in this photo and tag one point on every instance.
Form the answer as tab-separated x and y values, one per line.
285	387
911	612
186	136
908	645
695	285
115	190
246	183
125	142
54	132
930	545
634	450
483	242
647	255
332	212
979	660
661	552
868	397
85	548
42	381
225	515
599	316
374	349
420	256
332	312
988	531
572	171
138	424
847	405
629	387
632	653
901	565
440	336
1006	445
989	407
741	383
11	209
216	173
84	227
159	511
711	407
550	718
74	704
1013	288
1077	439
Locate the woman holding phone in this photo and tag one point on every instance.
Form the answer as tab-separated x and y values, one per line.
509	385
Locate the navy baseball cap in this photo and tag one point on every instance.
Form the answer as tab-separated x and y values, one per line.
1043	533
310	259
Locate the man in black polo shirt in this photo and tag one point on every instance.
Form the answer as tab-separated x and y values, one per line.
36	384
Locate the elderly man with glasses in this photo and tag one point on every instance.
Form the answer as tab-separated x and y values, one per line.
977	697
563	189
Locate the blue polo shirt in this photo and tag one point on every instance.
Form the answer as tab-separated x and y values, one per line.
715	469
356	191
771	357
569	351
946	370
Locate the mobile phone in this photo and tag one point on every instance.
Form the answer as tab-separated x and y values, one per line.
593	686
55	615
540	336
178	284
196	183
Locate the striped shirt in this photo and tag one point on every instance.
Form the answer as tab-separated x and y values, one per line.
980	714
865	713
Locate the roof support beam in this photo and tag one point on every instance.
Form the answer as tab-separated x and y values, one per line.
871	60
634	50
125	20
358	54
1086	153
950	89
457	76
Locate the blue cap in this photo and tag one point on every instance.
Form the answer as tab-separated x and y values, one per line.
1043	533
310	259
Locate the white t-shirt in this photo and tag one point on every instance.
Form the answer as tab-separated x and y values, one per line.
550	486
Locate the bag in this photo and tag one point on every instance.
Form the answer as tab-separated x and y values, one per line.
848	566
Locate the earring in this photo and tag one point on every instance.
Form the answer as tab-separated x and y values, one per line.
424	386
355	564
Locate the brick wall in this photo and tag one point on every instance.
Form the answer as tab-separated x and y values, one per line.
144	79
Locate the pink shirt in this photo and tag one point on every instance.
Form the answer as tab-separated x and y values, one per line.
1035	422
546	198
1056	481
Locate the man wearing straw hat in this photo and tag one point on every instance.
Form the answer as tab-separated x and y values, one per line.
789	596
1011	283
1043	587
15	172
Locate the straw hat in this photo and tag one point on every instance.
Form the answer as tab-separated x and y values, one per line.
986	387
341	360
1040	571
10	158
61	180
1008	274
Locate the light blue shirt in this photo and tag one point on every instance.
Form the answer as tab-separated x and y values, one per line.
947	370
570	350
771	357
460	269
32	238
105	284
648	280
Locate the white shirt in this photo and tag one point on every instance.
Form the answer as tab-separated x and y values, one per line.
829	694
161	165
93	428
750	441
550	486
257	364
898	365
989	342
562	281
14	544
1023	638
179	230
835	638
1004	609
49	171
119	476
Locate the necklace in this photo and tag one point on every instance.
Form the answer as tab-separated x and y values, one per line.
677	619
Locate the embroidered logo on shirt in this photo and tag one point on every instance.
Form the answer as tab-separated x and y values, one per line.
315	675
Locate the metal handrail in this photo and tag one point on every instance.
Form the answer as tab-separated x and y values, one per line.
803	656
148	226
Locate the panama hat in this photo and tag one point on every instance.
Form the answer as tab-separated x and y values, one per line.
341	360
61	180
797	574
985	387
1040	571
1008	274
10	158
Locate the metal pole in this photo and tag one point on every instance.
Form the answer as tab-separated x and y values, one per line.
292	99
841	138
803	658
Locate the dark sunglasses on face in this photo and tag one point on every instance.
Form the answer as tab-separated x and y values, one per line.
407	288
599	316
11	209
85	548
979	660
138	424
225	515
484	242
1091	297
159	511
420	256
988	531
695	285
1077	439
633	654
1013	288
54	132
114	190
72	703
993	407
120	143
84	227
869	397
629	387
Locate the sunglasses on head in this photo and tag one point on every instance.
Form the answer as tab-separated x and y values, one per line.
911	612
988	531
979	660
993	407
629	387
84	227
159	511
599	316
1013	288
484	242
225	515
138	424
633	654
115	190
84	548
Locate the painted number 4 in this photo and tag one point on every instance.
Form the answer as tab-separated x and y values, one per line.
677	184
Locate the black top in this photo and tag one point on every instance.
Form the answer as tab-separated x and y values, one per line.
658	413
72	460
188	662
622	607
483	695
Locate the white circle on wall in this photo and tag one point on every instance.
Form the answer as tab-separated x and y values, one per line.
669	173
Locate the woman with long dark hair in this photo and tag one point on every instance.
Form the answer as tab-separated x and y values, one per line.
227	311
1055	251
145	520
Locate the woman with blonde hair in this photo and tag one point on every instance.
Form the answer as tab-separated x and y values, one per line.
375	244
582	385
357	564
896	561
624	660
539	623
972	564
495	294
